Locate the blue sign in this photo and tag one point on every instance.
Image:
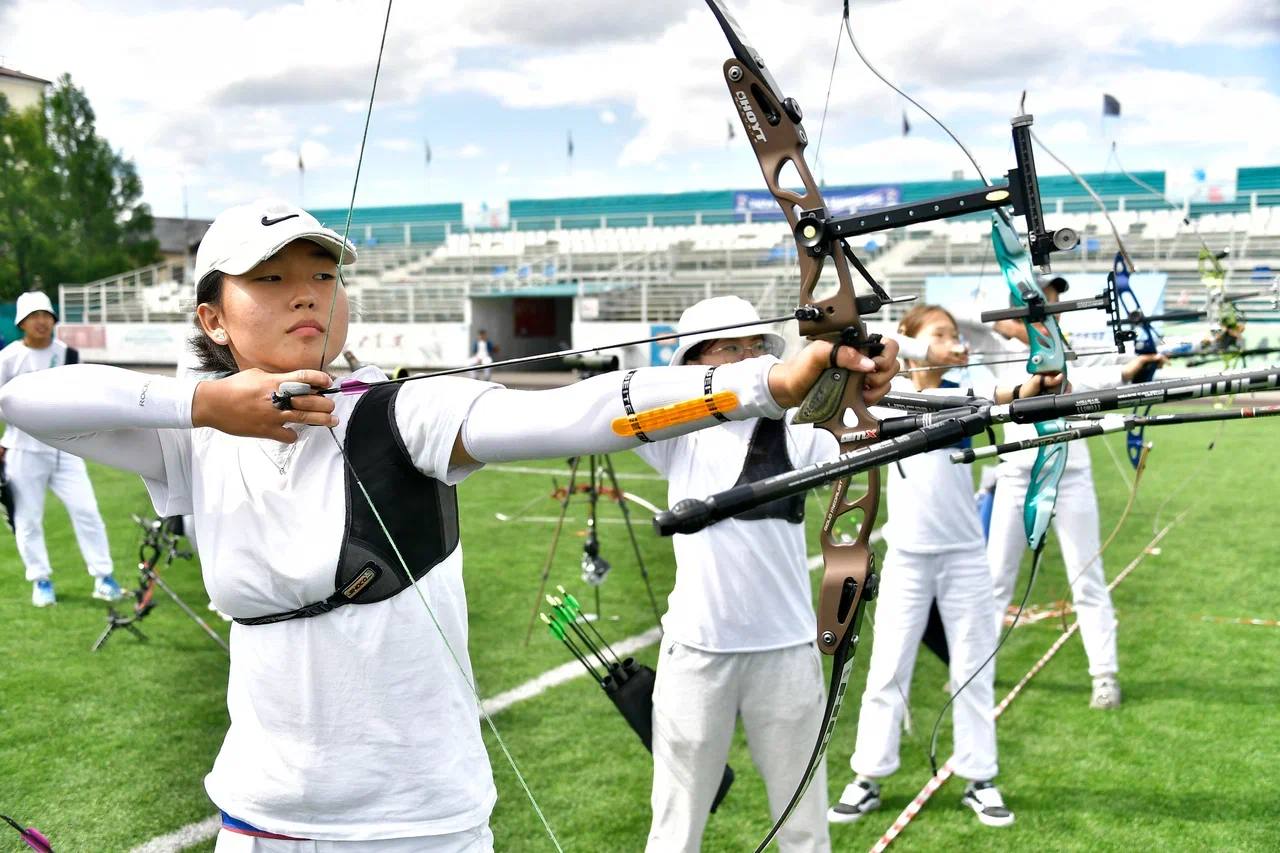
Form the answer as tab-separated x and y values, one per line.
841	201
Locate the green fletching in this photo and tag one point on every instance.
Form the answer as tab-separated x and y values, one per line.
556	629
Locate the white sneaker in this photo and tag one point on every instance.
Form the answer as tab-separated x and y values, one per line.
1106	693
860	796
105	588
42	593
985	800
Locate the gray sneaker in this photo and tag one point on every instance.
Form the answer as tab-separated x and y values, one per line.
985	800
1106	693
860	796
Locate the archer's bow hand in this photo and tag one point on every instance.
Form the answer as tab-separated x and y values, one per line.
1134	366
1037	384
791	380
241	404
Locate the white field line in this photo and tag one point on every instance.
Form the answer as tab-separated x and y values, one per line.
564	672
188	836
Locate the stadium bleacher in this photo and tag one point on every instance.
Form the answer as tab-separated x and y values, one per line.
644	258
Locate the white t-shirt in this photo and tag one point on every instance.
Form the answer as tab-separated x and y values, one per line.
741	586
16	359
352	725
931	507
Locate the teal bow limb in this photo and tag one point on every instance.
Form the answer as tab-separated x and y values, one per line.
1048	350
1048	355
1042	489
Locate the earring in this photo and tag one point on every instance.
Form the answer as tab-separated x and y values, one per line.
219	336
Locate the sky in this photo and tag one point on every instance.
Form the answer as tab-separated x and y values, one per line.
216	101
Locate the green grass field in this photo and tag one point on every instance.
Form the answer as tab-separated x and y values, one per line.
105	751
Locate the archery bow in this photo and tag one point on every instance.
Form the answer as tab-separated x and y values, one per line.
772	124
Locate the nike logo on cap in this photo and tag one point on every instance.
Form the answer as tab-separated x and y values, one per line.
266	221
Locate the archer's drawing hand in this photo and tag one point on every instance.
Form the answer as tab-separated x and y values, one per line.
791	380
241	404
946	354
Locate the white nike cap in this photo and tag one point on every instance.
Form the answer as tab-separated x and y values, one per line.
242	237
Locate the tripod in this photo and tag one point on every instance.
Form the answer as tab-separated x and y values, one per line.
160	540
594	567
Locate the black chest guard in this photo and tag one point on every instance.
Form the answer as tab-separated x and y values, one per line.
766	456
420	513
73	356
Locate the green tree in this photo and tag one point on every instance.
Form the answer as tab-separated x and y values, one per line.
28	194
70	206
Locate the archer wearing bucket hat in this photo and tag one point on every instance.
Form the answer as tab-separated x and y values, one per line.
30	468
723	311
725	657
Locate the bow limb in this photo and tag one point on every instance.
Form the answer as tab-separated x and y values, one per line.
772	124
1140	332
1048	354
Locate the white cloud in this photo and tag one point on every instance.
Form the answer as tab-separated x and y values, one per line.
398	144
230	91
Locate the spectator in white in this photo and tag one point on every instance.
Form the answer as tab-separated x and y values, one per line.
725	656
34	468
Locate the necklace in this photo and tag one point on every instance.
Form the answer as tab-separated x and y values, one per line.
281	457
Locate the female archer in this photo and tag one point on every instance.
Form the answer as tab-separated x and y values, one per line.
353	712
936	552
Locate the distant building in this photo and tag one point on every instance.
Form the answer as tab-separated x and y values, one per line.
178	238
22	90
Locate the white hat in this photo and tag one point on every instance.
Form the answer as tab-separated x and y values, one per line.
31	302
722	311
242	237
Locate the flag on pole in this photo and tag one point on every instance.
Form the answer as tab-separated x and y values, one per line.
426	146
569	144
729	125
1110	106
301	168
906	125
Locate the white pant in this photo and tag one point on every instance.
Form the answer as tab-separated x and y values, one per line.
780	696
1075	521
961	582
31	474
